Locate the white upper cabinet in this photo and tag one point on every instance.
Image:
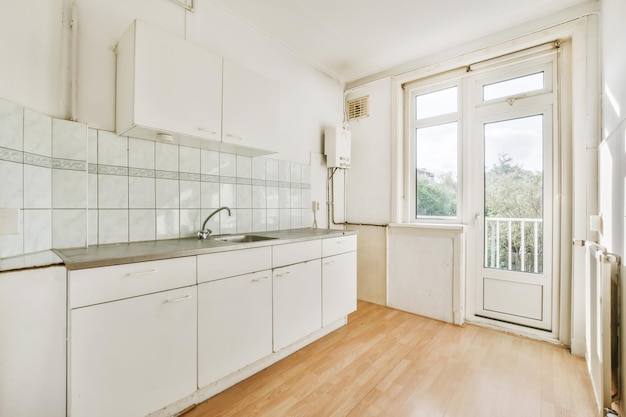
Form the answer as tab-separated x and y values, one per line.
167	85
251	111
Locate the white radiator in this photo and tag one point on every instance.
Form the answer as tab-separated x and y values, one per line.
602	323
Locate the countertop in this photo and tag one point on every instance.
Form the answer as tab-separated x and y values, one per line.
123	253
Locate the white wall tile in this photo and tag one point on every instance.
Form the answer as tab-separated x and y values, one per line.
244	166
259	220
112	149
209	162
284	219
69	228
295	198
284	171
37	187
141	193
258	197
189	222
92	191
69	189
37	133
306	174
141	225
190	194
141	153
112	226
284	197
69	140
12	245
11	125
244	220
296	172
273	219
272	200
296	218
244	196
92	227
306	199
167	195
210	194
228	195
228	165
37	230
228	224
307	218
189	160
11	185
112	192
166	157
167	224
258	168
271	170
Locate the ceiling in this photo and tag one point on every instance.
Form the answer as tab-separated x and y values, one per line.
350	39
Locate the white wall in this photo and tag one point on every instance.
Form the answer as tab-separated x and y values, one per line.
612	157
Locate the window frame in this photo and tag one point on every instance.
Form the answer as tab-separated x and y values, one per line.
411	91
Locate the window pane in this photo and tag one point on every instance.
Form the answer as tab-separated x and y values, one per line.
513	86
436	103
436	170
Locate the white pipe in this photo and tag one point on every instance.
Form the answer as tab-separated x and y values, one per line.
74	64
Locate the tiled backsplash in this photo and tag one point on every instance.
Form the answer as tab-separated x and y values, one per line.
77	186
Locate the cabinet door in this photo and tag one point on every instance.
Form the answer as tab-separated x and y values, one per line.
234	324
338	287
32	342
251	111
134	356
167	84
297	302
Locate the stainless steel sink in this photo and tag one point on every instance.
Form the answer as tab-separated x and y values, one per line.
242	238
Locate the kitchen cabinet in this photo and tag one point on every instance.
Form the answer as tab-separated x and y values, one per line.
297	309
234	324
133	346
32	342
339	278
167	85
251	111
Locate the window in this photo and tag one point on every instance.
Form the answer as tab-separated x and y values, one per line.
434	129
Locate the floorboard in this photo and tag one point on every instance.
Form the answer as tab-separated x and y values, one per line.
390	363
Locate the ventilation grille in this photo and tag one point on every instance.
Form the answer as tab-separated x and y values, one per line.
358	108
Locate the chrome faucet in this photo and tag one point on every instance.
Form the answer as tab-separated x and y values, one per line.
204	233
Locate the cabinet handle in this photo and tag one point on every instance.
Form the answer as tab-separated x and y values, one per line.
261	279
179	299
230	135
283	274
329	262
141	273
204	129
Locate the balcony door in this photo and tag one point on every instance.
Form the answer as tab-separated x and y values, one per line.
513	132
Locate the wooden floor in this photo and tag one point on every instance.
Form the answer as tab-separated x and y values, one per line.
390	363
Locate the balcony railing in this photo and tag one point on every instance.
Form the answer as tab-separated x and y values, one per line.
514	244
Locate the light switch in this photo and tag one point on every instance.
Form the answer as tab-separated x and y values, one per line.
9	221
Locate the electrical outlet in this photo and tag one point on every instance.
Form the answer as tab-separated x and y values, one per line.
315	205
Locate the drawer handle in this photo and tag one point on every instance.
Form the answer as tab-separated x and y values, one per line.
204	129
261	279
230	135
179	299
283	274
142	273
329	263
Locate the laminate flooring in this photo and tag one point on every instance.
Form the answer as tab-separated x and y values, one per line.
387	362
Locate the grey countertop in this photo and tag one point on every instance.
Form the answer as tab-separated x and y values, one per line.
122	253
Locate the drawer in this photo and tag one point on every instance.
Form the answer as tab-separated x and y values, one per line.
293	253
337	245
99	285
220	265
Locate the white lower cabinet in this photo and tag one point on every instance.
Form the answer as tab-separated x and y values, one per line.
234	324
133	356
297	307
338	287
32	342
